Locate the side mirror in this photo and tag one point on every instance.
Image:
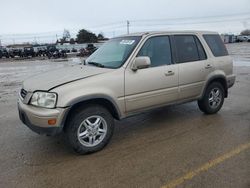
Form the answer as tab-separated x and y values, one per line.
141	63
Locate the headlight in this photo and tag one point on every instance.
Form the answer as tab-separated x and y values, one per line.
44	99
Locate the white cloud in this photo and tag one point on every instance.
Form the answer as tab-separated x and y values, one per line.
38	16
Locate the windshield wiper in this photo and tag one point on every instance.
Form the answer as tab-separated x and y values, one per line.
96	64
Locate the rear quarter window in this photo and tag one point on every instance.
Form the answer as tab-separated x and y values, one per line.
216	45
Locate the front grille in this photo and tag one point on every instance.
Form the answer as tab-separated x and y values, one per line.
23	93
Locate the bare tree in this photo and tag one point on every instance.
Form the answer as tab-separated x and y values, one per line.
245	32
66	34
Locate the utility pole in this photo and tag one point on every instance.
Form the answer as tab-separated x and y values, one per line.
128	27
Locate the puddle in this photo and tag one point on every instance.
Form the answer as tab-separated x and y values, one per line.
239	63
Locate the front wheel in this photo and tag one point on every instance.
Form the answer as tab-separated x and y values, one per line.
90	129
213	98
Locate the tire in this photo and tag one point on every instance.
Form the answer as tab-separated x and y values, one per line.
84	135
213	98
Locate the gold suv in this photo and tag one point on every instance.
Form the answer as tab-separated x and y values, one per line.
125	76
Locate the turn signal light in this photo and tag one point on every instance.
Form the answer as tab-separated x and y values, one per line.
52	121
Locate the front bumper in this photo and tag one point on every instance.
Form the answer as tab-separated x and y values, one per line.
230	80
37	118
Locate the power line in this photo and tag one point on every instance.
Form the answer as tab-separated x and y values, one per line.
192	18
108	24
122	24
127	25
192	22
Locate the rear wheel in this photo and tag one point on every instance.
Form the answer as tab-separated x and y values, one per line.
213	98
90	129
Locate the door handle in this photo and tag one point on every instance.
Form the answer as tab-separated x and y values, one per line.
169	73
208	66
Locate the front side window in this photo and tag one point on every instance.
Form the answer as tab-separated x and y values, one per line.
158	50
216	45
114	53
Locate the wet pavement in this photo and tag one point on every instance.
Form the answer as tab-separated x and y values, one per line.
148	150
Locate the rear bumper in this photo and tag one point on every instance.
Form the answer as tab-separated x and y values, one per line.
230	80
37	118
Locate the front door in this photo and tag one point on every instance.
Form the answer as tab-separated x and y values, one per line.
156	85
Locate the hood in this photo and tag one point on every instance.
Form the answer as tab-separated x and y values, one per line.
52	79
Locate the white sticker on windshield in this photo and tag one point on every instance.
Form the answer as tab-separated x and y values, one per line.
127	42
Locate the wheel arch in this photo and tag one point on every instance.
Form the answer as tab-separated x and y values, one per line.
218	78
104	101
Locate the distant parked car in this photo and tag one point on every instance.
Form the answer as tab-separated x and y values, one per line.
42	51
16	52
87	51
63	53
242	38
51	50
29	52
74	50
83	52
91	48
4	53
55	53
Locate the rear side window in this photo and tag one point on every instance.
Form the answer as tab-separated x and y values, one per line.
187	49
216	45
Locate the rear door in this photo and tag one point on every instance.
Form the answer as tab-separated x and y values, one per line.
221	58
156	85
193	65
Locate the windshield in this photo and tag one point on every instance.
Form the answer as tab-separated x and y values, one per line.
114	53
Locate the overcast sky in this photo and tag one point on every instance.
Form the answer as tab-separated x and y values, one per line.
51	17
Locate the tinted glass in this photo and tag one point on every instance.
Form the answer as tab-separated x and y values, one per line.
186	48
216	45
158	50
201	51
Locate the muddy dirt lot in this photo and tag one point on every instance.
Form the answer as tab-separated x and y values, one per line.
171	146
